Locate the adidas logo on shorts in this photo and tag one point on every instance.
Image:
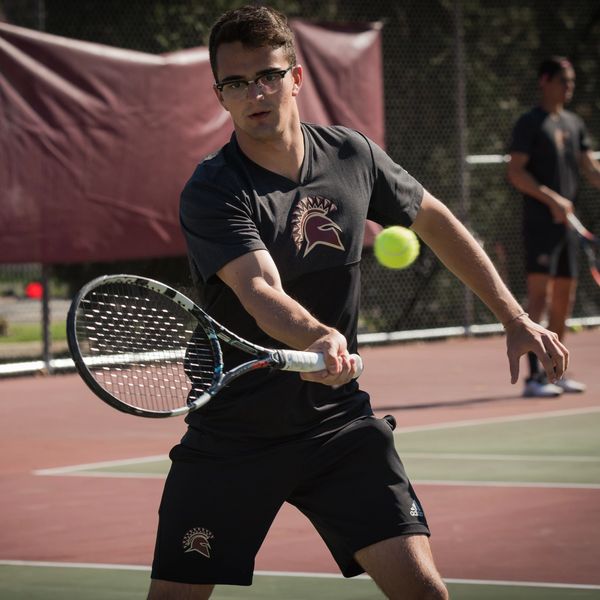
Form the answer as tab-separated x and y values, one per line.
415	510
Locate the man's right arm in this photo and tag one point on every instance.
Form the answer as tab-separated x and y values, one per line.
255	280
526	183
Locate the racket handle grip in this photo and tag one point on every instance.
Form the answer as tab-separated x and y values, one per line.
307	362
578	226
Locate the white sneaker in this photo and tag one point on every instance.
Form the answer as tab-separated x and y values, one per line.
570	386
541	389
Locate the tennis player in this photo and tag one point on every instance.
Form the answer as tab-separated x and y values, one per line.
274	223
549	148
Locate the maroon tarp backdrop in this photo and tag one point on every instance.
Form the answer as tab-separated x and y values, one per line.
96	142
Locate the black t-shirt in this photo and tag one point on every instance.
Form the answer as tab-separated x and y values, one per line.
314	231
554	144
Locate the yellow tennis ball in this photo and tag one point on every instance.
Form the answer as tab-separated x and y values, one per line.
396	247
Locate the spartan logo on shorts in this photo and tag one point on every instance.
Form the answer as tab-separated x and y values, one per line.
311	225
197	540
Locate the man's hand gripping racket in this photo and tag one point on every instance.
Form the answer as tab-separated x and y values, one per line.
148	350
591	246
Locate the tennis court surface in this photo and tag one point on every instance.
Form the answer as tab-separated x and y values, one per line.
511	485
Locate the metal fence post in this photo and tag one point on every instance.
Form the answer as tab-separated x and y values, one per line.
461	136
46	334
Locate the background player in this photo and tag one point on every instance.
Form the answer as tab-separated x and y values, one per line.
549	148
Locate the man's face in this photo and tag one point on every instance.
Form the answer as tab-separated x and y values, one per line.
257	114
559	88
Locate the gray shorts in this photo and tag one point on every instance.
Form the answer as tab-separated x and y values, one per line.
220	500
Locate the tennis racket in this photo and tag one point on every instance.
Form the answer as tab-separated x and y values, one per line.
146	349
590	244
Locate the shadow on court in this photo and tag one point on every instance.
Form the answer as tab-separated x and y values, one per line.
447	403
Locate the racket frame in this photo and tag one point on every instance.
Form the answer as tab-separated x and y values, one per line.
589	242
263	357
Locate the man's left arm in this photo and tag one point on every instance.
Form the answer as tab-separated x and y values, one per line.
459	251
590	167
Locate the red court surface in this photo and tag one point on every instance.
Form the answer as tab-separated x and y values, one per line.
495	533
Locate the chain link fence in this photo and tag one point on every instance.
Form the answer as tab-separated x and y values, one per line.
457	74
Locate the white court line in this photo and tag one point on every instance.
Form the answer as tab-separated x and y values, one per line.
102	464
500	457
510	484
422	482
73	469
493	420
108	474
575	586
580	586
73	565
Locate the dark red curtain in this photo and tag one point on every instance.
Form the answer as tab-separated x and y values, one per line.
96	142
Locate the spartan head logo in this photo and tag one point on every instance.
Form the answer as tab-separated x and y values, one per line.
311	226
197	540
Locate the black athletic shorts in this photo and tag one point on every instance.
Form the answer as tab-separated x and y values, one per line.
219	501
552	252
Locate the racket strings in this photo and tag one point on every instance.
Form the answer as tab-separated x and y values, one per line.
143	348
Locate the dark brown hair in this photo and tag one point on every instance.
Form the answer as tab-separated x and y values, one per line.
254	27
553	65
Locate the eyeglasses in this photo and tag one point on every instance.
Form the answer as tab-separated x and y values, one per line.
267	83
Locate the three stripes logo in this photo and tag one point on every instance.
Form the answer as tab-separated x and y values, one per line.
416	510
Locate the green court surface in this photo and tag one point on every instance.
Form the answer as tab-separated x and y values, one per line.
55	583
560	449
549	449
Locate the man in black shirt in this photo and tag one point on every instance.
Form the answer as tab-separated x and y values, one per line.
548	149
274	223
